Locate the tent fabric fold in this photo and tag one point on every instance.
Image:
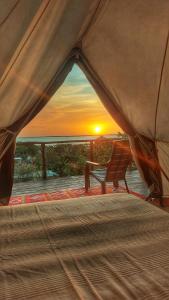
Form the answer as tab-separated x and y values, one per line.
8	136
107	99
147	161
37	64
6	173
144	150
127	47
122	47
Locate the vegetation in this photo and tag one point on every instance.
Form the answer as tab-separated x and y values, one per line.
67	159
62	159
27	162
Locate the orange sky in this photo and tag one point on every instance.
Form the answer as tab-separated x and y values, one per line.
74	109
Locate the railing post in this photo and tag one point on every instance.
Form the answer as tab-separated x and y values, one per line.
87	178
91	152
44	174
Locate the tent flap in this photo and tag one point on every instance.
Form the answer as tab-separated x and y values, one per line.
37	61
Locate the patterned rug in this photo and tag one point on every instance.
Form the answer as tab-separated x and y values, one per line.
64	194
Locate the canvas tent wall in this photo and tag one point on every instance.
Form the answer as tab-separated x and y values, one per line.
122	46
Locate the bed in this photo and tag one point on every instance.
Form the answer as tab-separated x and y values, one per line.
104	247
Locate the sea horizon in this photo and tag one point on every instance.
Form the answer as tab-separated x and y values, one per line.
64	138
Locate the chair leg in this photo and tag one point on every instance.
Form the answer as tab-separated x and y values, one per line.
103	185
126	186
115	184
87	178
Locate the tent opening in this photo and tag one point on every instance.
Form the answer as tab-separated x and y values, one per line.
75	109
74	113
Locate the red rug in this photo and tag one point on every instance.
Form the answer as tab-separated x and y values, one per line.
65	194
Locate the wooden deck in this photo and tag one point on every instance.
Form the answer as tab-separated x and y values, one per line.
135	183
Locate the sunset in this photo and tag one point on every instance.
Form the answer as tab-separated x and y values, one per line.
98	129
74	109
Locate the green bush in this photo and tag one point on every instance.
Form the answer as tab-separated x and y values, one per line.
24	171
67	159
64	159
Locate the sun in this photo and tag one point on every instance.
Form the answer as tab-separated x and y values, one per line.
98	129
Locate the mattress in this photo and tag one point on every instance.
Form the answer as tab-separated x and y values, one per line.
104	247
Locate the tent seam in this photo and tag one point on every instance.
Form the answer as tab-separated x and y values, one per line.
25	42
160	83
93	18
9	13
157	104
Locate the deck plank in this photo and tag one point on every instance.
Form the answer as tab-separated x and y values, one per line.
134	180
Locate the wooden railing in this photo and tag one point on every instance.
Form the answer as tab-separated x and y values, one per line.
43	141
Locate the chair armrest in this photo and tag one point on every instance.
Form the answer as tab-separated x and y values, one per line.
92	163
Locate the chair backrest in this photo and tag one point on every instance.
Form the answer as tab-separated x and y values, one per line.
120	159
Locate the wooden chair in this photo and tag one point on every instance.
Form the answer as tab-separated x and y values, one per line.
114	170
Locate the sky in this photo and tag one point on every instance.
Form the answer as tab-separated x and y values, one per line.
74	109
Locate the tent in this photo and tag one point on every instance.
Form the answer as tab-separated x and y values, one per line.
121	46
